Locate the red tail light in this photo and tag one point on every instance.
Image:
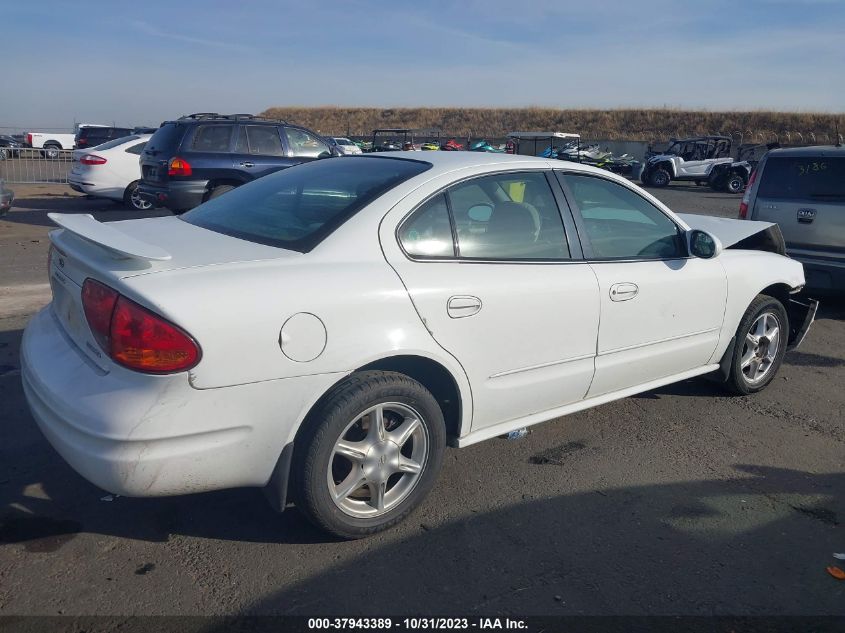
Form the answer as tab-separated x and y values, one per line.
98	302
29	138
134	336
179	167
746	198
92	159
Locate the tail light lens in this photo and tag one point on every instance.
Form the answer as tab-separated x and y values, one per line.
92	159
29	138
133	336
178	167
746	197
98	301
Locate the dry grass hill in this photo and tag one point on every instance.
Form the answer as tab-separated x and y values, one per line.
627	124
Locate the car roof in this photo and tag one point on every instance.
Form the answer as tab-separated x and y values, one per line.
812	150
444	162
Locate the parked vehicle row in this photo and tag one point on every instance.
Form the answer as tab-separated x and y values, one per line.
201	156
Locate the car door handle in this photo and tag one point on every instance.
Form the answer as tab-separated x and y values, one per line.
247	164
623	291
463	306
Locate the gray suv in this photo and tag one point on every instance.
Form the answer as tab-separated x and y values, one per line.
803	191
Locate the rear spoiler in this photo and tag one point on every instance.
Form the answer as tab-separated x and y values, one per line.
108	237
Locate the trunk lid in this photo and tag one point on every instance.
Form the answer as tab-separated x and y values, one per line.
805	196
111	252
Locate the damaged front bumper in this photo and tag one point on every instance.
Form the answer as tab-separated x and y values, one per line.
801	317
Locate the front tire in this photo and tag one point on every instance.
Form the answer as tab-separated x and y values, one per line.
760	346
660	178
368	454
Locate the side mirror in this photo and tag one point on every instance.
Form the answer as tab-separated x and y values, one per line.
703	245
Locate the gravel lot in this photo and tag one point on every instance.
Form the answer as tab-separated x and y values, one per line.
678	501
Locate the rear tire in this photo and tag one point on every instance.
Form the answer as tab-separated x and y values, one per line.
354	476
51	151
660	178
134	201
218	191
760	346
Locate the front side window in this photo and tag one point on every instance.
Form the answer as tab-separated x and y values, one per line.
508	217
306	145
298	207
212	138
620	224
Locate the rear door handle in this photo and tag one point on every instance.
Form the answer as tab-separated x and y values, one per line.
247	164
463	306
623	291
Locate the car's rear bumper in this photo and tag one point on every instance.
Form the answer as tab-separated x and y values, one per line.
140	435
176	195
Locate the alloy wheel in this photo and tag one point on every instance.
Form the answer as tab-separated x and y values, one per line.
760	348
378	460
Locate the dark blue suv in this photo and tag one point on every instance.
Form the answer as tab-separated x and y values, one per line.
204	155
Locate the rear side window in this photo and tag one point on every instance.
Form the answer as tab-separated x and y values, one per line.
166	138
799	178
428	233
136	149
259	139
212	138
298	207
508	217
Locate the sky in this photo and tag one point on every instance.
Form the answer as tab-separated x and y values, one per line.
138	63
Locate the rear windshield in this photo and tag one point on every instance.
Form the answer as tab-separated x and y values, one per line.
799	178
118	141
166	138
298	207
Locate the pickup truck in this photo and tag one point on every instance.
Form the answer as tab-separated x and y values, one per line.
50	142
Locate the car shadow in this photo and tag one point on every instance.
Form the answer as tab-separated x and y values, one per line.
740	545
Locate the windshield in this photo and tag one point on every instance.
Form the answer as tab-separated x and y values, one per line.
343	141
300	206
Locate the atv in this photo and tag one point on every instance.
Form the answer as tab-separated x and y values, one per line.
691	159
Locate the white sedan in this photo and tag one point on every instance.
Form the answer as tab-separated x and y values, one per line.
111	170
329	329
